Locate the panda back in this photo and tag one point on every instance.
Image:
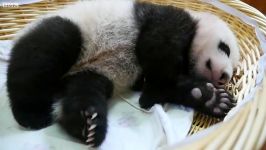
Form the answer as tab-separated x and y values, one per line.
105	25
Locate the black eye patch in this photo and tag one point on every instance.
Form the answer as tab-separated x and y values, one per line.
224	47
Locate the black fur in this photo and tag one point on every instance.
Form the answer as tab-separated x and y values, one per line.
139	83
85	91
162	47
38	60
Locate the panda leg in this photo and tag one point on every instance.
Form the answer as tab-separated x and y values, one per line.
196	93
38	61
84	106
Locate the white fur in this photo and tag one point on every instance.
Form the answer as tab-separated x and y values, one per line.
104	25
110	30
211	30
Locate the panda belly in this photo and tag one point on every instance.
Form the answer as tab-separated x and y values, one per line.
118	65
109	34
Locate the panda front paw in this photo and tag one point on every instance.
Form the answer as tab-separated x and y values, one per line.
214	101
146	101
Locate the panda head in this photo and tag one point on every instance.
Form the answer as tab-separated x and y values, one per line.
214	49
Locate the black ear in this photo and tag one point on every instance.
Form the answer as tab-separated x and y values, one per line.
224	47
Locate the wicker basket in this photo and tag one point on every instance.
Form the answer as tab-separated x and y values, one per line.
247	129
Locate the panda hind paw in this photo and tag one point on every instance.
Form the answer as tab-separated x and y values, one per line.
94	129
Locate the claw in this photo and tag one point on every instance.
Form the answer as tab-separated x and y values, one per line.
91	134
94	115
89	140
92	127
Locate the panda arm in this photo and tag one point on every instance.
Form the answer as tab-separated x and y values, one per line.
192	92
162	45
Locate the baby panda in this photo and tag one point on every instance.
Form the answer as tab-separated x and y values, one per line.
66	65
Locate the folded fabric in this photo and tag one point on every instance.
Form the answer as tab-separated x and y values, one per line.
5	47
128	129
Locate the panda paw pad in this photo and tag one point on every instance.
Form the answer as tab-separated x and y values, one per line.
220	103
203	92
216	101
196	93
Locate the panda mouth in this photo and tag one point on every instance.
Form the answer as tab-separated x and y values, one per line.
216	82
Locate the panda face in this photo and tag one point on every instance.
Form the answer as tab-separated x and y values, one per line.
214	49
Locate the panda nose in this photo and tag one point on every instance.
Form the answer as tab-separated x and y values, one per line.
224	78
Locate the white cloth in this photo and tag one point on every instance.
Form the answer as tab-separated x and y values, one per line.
128	127
4	55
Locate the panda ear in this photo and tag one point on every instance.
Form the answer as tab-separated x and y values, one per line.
224	47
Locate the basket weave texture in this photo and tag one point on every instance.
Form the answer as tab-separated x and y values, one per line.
247	130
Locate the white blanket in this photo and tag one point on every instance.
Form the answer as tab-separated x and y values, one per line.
128	127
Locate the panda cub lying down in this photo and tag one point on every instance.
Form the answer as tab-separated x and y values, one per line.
66	65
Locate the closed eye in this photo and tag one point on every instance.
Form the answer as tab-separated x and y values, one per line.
224	47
